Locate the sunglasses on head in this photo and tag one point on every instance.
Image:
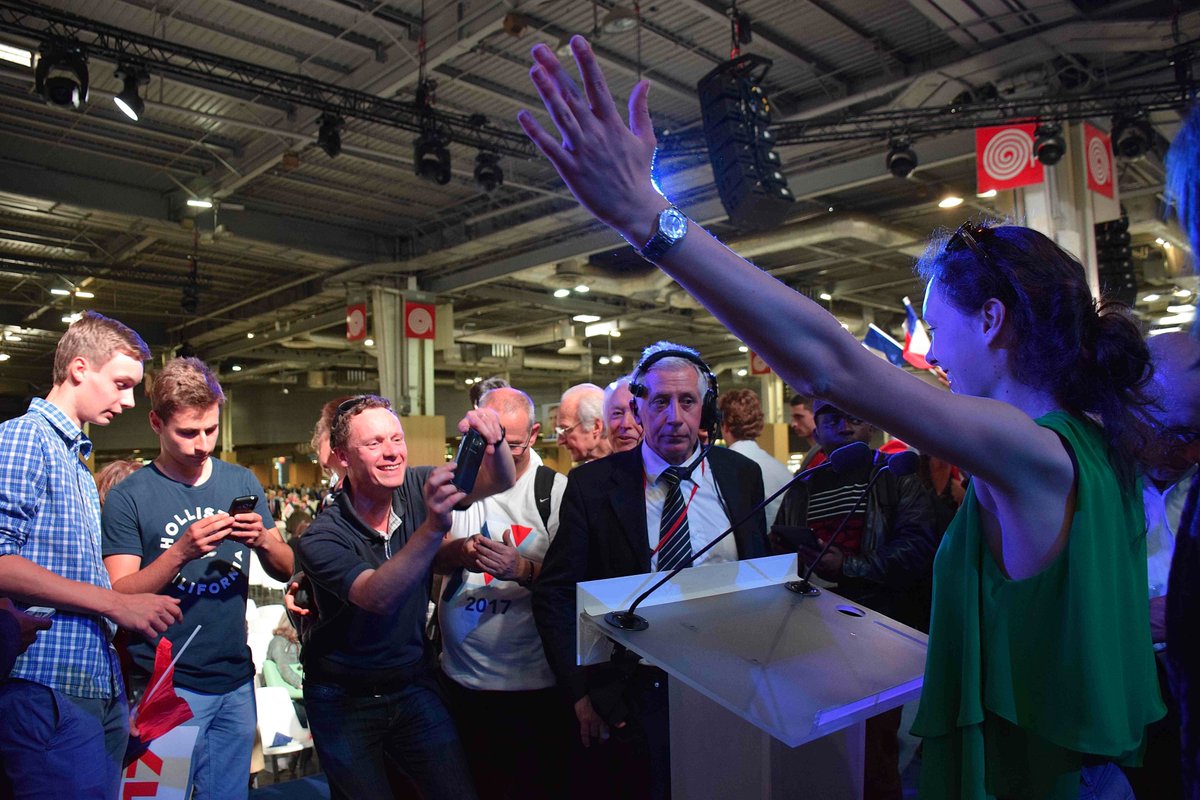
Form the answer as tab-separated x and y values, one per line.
349	405
969	235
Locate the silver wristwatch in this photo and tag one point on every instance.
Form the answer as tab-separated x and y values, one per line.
669	229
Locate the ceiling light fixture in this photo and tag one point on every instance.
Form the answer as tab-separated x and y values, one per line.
61	76
4	356
604	360
196	202
1151	298
236	368
901	158
743	349
249	334
16	55
950	201
1132	135
368	342
488	174
617	358
562	292
988	194
61	292
329	134
1048	143
583	288
825	296
586	318
129	100
741	373
71	319
619	19
1183	292
84	294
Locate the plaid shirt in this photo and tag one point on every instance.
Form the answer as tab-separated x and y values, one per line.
50	515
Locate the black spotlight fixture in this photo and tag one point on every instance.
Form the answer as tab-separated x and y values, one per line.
61	77
329	134
901	158
129	100
1049	144
431	156
488	174
1132	136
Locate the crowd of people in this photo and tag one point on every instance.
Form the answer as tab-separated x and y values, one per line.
1060	598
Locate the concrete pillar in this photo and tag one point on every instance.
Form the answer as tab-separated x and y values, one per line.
405	365
228	453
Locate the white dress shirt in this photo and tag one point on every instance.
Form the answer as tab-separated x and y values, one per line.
774	474
705	513
1163	511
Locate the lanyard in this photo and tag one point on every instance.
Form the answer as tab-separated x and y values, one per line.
682	514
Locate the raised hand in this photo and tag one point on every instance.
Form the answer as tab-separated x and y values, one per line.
604	162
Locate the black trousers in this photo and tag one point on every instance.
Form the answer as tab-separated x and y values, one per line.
517	743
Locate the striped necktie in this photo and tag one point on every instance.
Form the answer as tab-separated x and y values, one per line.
678	547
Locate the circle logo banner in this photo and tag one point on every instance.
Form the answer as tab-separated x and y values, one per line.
1004	157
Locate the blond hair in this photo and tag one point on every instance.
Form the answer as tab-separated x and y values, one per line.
113	473
184	383
97	338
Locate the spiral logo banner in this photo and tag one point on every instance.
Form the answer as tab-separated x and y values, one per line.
420	320
1004	157
1100	177
356	322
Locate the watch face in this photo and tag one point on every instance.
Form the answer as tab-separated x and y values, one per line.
673	224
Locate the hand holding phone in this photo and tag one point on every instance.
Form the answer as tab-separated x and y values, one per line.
797	536
243	505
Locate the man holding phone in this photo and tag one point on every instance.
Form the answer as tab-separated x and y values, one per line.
186	527
369	676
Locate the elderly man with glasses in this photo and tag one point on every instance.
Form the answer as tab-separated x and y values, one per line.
370	679
580	427
492	658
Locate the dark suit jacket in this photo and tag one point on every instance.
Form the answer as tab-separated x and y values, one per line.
602	534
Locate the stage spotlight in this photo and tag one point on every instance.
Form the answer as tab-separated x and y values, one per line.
488	174
431	158
129	100
329	135
61	77
901	159
1048	143
189	301
1132	135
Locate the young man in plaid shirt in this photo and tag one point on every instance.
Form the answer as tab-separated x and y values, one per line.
66	719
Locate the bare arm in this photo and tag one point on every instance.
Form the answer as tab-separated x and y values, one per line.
380	590
202	536
147	614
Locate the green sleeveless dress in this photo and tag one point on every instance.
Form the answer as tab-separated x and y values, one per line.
1024	679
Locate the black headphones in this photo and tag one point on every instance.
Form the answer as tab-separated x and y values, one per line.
710	415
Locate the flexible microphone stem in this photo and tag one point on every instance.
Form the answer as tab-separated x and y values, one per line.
804	586
628	620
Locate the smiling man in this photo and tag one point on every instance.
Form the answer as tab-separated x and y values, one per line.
649	508
624	431
369	675
65	716
166	530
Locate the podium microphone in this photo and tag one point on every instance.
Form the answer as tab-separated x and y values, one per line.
855	455
899	464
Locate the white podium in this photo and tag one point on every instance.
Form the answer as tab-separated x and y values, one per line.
769	689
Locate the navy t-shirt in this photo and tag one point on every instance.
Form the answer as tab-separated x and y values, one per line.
350	645
143	516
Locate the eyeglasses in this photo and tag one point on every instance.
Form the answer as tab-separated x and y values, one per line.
560	431
518	448
1179	436
347	406
969	234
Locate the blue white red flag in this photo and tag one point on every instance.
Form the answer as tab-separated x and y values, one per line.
916	339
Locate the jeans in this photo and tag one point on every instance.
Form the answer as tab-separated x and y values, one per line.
221	758
358	737
51	748
1104	781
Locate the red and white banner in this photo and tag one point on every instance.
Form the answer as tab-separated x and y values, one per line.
758	366
356	322
1004	157
1097	147
420	320
161	773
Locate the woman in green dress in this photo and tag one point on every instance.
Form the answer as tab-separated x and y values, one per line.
1040	660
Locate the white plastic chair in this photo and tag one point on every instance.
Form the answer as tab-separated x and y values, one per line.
277	720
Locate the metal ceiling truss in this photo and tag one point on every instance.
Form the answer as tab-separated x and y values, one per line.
913	123
34	265
39	22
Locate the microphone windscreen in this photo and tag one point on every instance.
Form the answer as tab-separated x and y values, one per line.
904	463
849	457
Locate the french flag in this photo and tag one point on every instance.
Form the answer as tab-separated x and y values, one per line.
876	339
916	339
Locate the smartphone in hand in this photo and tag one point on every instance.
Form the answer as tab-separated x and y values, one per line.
243	505
468	459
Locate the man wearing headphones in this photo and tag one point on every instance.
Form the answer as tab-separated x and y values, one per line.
643	510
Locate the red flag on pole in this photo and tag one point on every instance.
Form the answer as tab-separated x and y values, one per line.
161	709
